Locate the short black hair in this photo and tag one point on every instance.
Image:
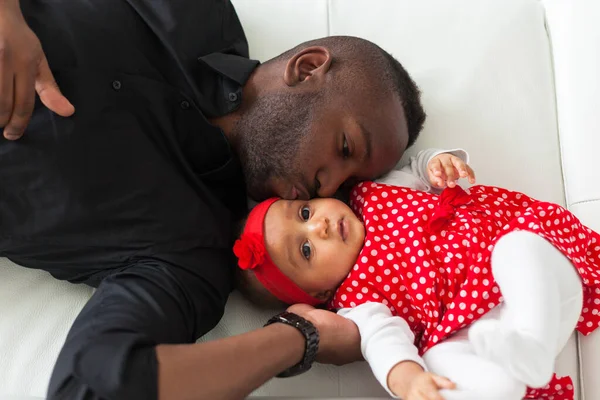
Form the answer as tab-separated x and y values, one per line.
410	96
366	58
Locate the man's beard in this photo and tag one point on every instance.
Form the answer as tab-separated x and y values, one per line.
269	136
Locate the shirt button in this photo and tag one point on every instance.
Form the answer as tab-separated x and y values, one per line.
233	96
184	105
116	85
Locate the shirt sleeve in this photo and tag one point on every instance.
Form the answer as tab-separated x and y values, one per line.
110	351
386	340
414	173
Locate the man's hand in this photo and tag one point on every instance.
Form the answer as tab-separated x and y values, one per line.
339	337
445	169
24	71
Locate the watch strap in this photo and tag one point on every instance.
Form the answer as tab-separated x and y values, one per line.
311	336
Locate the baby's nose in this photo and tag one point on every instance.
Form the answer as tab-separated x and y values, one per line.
321	228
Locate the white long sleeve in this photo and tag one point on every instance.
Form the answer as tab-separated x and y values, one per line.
414	173
385	339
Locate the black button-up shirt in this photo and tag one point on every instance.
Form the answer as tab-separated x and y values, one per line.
136	192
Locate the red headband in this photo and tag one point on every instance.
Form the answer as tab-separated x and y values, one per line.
252	254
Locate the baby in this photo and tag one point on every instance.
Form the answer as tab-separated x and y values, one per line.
462	295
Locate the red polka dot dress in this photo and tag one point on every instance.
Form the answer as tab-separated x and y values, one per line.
427	257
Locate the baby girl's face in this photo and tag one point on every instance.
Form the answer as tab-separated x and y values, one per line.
315	243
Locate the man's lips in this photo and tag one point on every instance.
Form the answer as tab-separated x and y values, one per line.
298	192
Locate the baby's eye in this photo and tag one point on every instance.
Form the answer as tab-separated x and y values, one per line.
306	250
305	213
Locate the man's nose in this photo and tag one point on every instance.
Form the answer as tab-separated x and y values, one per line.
330	183
320	227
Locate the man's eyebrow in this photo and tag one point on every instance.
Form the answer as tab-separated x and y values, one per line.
367	137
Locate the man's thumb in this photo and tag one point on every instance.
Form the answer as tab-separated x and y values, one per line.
300	308
49	93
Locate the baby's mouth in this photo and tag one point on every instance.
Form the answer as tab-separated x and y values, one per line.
343	229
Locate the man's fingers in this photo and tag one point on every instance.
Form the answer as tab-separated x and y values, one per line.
300	309
49	93
24	100
443	383
6	89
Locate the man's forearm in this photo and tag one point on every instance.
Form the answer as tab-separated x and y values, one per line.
229	368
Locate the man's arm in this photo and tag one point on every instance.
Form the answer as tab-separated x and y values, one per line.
23	72
228	368
127	343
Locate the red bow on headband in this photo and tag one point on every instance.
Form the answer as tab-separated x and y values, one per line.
249	250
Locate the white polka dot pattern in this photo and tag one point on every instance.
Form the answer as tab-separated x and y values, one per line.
427	257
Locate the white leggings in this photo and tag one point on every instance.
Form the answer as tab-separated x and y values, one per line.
542	294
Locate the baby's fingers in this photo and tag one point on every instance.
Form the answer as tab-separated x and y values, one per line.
471	174
430	392
461	167
436	173
443	383
452	173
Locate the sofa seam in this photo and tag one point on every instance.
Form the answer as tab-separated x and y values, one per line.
576	203
556	110
581	395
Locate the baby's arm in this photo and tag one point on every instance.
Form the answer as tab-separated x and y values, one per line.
387	345
415	173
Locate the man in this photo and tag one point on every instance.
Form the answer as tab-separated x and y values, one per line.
133	183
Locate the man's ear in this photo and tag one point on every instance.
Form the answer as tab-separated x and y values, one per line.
311	63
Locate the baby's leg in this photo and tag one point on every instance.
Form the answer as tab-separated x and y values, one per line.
542	302
476	378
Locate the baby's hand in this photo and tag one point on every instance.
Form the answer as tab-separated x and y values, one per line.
426	386
445	169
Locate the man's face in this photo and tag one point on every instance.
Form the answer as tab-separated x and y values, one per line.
298	145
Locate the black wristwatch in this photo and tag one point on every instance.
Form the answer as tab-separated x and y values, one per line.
312	341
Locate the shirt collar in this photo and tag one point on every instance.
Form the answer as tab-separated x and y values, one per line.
232	66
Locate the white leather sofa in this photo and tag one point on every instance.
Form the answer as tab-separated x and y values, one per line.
513	81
